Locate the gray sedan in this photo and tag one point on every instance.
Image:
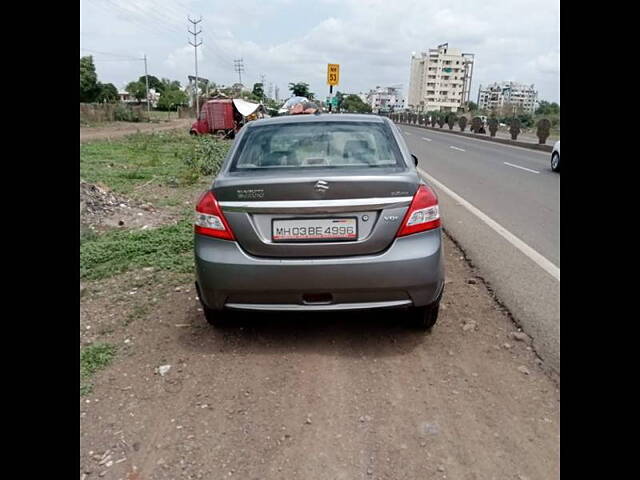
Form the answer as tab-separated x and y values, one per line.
319	213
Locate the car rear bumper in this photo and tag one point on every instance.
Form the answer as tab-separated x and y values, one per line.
409	272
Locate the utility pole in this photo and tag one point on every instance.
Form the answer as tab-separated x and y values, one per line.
263	86
239	67
277	90
146	74
195	45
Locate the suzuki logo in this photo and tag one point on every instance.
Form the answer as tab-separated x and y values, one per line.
321	186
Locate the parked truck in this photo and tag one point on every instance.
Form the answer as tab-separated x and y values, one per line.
225	116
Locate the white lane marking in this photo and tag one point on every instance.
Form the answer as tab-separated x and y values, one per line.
427	139
407	133
518	166
541	261
456	148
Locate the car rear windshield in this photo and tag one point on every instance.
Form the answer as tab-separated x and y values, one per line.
318	144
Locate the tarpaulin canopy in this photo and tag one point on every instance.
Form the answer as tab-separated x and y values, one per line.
246	108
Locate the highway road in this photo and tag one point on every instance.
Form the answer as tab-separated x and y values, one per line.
501	204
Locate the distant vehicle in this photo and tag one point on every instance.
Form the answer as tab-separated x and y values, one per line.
317	212
555	157
225	116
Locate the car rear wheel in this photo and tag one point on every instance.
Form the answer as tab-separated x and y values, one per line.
217	318
555	162
424	318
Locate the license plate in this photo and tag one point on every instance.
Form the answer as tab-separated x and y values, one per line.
315	230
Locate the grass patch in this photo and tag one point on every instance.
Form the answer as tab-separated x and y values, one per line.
170	158
94	358
158	116
123	163
167	158
166	248
87	234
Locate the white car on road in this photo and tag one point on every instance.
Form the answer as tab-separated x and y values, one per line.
555	157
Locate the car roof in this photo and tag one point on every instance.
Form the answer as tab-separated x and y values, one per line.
321	117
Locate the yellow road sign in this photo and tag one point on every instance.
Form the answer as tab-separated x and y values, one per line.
333	74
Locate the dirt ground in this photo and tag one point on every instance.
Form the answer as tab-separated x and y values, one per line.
350	396
120	129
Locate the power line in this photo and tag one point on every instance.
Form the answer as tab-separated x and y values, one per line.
152	23
164	23
160	20
158	24
111	54
101	60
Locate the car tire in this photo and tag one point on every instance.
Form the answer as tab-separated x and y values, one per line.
424	318
193	133
217	318
555	162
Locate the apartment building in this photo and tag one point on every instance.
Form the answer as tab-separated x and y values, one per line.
386	99
498	96
440	79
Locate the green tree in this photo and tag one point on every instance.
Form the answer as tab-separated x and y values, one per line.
546	108
108	93
171	99
472	106
300	89
89	89
154	83
526	120
353	103
168	84
258	90
137	89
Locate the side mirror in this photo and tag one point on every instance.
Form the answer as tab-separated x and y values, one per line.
415	159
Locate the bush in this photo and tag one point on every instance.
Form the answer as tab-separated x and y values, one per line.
124	113
206	158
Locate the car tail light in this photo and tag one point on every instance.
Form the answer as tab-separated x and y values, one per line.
423	213
209	218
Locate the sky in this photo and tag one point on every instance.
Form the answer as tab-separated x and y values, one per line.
293	41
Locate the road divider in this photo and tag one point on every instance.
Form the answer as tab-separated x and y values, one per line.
516	143
529	252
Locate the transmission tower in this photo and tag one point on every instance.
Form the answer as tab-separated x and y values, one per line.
195	44
238	65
